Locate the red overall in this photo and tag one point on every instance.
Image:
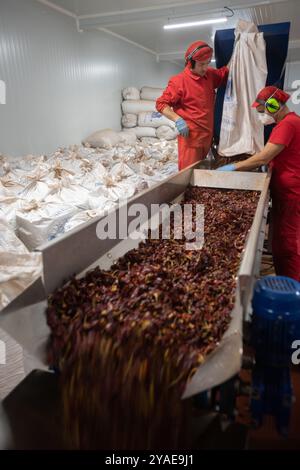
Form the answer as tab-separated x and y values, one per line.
285	189
193	98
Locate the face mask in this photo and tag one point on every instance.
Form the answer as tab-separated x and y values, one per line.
266	119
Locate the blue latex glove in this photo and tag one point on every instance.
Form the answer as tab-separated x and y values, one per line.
182	127
229	167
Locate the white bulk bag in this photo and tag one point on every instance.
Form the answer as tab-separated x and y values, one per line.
241	131
18	267
105	138
8	207
116	190
120	171
38	185
144	131
65	191
127	138
11	183
154	119
149	140
85	216
39	222
17	272
8	240
129	120
166	132
150	93
137	106
100	203
131	93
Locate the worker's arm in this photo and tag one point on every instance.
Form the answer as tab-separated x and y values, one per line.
267	154
169	113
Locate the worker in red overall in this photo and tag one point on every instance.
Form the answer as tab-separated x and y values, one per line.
282	153
189	101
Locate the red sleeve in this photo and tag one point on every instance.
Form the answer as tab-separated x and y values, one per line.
170	96
220	76
282	134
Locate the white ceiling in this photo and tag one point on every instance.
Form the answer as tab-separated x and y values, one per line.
141	21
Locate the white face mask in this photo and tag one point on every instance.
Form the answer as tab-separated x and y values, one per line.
265	119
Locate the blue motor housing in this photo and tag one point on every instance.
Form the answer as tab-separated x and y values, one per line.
276	319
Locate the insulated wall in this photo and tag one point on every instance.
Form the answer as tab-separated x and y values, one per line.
62	85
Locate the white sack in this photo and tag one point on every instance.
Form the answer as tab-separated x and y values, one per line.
100	203
131	93
8	208
38	223
137	106
149	140
144	131
127	138
85	216
18	267
241	131
166	132
129	120
8	240
154	119
105	138
66	192
150	93
17	272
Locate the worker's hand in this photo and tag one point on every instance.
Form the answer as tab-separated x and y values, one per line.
182	127
229	167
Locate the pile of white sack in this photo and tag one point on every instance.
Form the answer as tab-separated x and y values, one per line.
141	118
42	197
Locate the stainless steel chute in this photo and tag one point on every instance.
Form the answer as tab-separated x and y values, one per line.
80	249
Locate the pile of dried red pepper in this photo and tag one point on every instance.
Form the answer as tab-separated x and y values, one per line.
127	340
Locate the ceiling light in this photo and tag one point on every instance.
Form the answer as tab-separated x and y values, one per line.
195	23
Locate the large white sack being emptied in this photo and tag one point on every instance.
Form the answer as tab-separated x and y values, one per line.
166	132
18	268
154	119
144	131
150	93
105	138
131	93
38	223
137	106
241	131
129	120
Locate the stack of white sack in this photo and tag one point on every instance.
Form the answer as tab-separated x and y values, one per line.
140	115
18	268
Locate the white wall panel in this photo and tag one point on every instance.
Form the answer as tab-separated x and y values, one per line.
61	84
